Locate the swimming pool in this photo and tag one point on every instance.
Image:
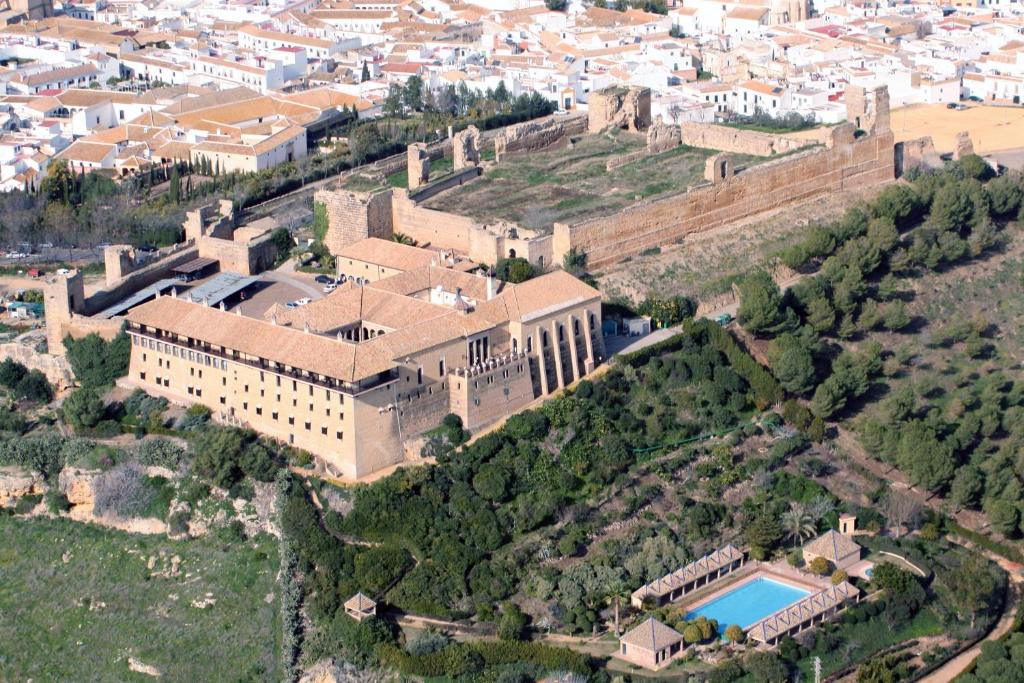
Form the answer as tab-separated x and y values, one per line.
750	602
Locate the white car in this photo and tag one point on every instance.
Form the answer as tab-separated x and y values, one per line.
63	271
303	301
330	288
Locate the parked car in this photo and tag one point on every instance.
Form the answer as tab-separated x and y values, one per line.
303	301
291	305
323	279
951	105
63	271
45	245
328	288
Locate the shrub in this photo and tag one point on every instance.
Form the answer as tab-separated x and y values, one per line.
11	372
12	421
735	634
27	504
122	491
34	387
42	454
161	453
177	523
57	502
195	417
426	642
83	409
820	566
514	270
838	576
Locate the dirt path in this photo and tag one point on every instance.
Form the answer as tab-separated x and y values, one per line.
956	666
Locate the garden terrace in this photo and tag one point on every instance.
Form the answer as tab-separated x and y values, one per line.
698	573
562	183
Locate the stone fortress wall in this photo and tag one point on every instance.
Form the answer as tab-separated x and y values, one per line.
846	162
856	154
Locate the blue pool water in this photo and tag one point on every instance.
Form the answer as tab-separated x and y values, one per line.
749	603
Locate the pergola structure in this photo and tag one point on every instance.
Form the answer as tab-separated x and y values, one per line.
802	615
698	573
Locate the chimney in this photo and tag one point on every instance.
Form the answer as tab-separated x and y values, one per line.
174	292
223	306
238	309
490	285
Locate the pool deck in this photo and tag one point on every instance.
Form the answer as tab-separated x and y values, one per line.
761	570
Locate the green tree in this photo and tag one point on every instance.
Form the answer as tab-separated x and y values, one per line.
392	102
34	387
83	408
763	533
412	95
735	634
970	587
512	623
968	483
792	363
365	75
797	524
556	5
60	183
98	363
761	306
11	372
174	189
217	454
514	270
895	316
766	667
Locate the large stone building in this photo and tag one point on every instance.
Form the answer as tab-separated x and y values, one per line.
354	377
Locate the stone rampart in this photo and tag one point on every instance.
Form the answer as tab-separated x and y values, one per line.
619	107
439	229
737	141
848	164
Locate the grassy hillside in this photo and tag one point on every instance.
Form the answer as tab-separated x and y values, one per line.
76	601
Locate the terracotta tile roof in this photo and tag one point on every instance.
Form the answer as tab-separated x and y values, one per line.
388	253
832	545
651	635
93	152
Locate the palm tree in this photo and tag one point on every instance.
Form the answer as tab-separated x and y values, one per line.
797	524
821	507
403	239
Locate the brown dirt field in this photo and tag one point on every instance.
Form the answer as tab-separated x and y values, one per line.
992	128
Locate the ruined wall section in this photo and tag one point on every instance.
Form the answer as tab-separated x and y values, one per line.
619	107
736	141
354	216
537	134
848	164
439	229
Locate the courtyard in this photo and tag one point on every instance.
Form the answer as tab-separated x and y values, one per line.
565	183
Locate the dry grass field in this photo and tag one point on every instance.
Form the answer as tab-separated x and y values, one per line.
536	189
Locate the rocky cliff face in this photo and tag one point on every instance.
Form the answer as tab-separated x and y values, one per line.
16	482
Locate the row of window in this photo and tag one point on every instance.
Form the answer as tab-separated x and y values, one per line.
198	393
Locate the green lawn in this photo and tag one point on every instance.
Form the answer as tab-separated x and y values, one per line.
76	601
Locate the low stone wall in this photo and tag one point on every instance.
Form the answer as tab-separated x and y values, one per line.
849	163
737	141
626	159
